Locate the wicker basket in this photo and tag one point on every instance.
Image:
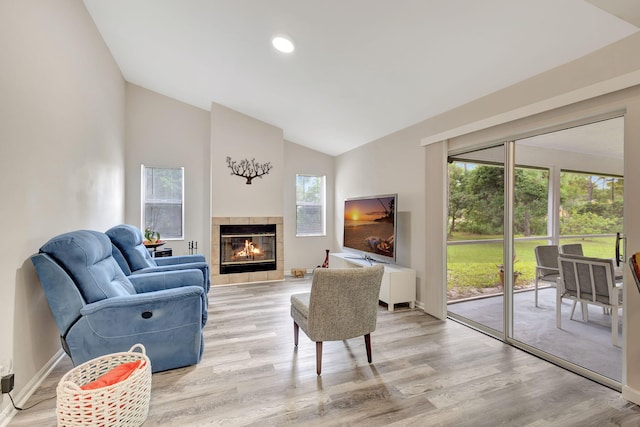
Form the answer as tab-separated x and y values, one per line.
122	404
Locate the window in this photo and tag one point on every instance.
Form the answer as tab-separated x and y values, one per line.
163	201
310	205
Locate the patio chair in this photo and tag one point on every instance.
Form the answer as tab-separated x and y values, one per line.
589	281
576	249
546	266
572	249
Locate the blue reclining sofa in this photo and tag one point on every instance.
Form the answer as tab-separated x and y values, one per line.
100	310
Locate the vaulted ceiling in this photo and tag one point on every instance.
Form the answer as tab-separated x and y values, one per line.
362	69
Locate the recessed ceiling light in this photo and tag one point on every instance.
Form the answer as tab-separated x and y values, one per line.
283	43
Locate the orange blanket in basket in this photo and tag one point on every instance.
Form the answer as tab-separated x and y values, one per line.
114	376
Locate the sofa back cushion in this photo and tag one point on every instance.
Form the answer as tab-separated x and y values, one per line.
86	257
128	239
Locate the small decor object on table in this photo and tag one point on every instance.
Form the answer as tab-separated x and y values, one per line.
151	236
152	240
325	264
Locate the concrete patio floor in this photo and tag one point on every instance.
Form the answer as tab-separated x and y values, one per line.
587	344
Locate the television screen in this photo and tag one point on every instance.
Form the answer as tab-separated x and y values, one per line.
370	226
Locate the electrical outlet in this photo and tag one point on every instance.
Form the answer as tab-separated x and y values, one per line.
7	383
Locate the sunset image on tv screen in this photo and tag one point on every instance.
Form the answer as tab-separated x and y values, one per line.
369	224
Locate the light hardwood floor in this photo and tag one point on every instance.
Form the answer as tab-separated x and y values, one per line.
425	372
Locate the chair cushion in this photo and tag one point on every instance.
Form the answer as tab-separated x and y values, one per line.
86	256
301	303
549	277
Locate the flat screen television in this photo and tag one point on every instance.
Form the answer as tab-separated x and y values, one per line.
370	227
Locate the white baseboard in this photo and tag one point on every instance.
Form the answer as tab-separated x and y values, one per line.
9	412
631	394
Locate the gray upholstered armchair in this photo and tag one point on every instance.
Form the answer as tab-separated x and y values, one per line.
342	304
99	310
134	258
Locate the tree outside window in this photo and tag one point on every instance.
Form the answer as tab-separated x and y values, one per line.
476	204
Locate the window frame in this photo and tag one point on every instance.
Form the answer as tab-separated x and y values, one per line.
322	204
144	202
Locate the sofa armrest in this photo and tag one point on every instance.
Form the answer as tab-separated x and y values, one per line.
141	313
166	279
202	266
179	259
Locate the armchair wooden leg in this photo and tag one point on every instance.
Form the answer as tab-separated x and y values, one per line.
296	328
318	357
367	343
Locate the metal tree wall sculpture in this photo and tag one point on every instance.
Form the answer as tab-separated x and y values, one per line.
248	169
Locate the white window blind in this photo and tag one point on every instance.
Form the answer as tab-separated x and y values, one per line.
310	205
163	201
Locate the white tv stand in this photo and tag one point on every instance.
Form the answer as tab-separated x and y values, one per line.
398	283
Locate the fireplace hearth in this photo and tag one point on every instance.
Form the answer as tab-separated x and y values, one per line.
247	248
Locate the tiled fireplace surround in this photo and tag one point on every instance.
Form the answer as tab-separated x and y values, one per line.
256	276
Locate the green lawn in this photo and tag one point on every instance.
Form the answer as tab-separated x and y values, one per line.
475	265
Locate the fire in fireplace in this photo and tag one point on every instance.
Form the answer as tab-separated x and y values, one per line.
250	251
247	248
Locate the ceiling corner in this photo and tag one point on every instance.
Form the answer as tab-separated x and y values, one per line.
627	10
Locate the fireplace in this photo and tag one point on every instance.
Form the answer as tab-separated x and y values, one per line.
247	248
218	257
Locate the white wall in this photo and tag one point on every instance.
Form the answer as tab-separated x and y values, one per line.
394	164
163	132
242	137
631	346
309	251
62	157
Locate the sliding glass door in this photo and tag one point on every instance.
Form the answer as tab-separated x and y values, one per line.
514	204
